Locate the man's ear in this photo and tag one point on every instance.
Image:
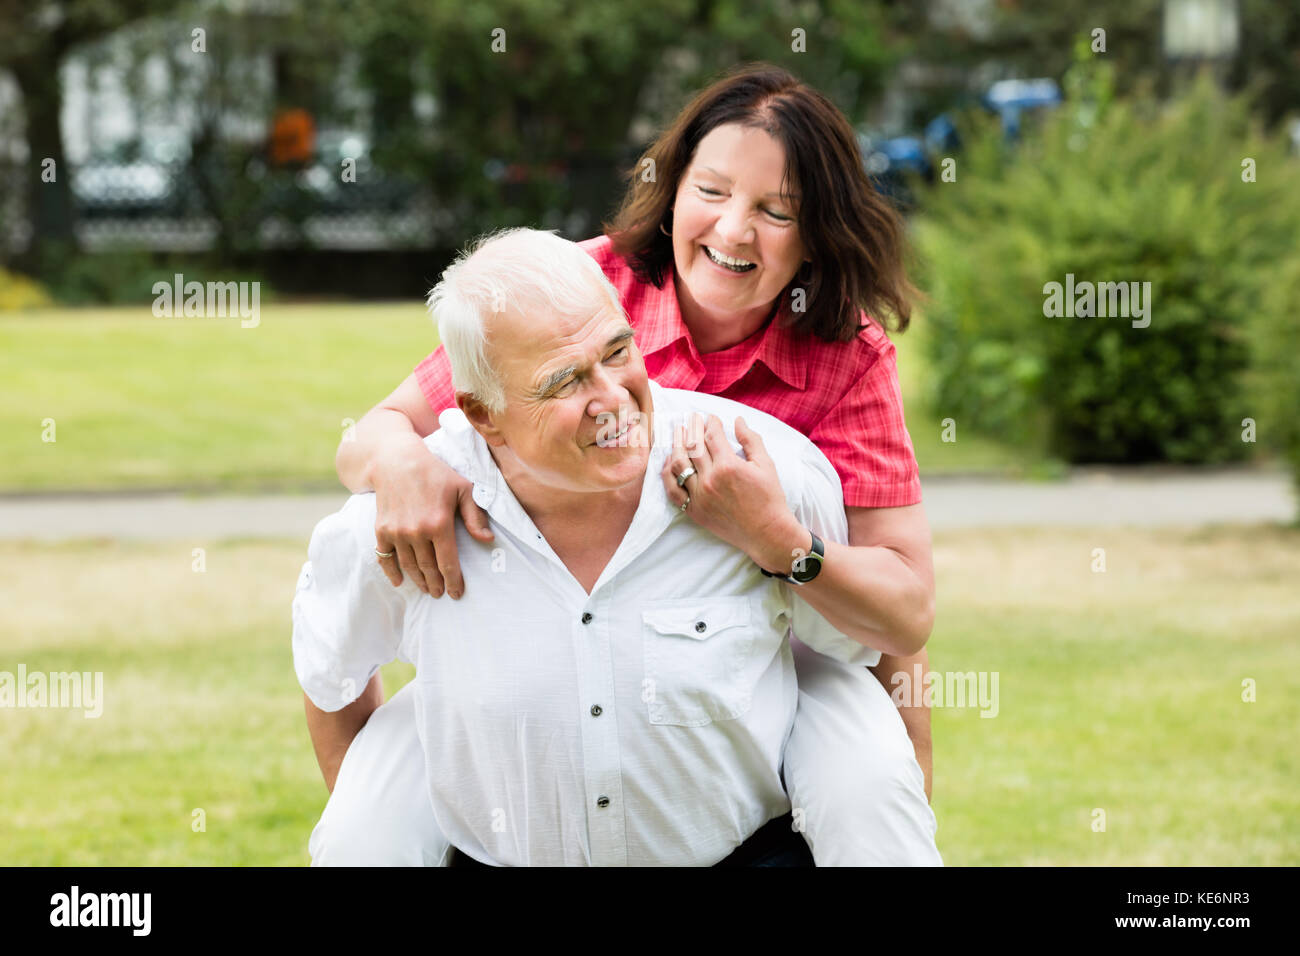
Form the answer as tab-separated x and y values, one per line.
483	420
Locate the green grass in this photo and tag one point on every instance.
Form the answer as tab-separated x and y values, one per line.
146	402
1118	690
142	402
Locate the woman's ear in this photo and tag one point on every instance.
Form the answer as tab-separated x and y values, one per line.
478	415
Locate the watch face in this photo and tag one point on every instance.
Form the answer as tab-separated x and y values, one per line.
806	568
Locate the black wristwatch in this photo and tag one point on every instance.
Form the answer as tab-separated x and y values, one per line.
806	568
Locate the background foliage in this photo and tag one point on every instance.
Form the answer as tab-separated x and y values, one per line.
1112	190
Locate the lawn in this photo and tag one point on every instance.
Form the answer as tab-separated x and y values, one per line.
1119	691
144	402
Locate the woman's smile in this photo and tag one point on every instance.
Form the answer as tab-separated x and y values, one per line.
730	264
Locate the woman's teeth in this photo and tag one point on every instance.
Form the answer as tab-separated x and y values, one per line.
735	265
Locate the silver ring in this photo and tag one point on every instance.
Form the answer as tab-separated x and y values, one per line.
384	554
685	503
686	473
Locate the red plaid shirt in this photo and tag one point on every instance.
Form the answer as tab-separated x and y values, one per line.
843	395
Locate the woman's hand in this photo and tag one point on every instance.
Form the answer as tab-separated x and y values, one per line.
738	499
417	497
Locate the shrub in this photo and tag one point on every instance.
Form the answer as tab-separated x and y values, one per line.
1273	383
20	292
1110	191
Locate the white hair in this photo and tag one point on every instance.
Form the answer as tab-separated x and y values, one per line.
520	268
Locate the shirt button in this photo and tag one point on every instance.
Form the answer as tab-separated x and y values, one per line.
700	627
586	617
602	801
596	710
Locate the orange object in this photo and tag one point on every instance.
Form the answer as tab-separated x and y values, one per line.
293	138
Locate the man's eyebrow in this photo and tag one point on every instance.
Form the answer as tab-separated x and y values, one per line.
558	376
790	197
554	379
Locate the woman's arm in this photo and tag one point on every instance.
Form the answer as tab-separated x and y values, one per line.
878	589
403	417
417	496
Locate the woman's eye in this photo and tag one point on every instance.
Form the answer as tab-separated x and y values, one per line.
778	217
618	353
707	191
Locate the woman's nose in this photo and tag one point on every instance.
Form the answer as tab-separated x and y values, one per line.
734	226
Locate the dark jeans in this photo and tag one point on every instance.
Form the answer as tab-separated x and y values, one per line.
773	844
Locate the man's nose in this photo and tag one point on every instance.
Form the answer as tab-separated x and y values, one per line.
608	393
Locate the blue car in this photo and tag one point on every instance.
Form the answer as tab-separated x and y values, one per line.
1012	98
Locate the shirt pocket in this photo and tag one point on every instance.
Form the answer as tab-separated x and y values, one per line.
697	660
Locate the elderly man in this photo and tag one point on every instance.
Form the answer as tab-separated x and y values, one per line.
619	687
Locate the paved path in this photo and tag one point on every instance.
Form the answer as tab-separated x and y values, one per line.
1089	497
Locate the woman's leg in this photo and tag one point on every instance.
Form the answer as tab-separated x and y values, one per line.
855	786
379	812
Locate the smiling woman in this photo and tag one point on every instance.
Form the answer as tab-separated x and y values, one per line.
762	176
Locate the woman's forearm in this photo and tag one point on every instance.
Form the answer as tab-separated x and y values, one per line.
385	433
872	596
381	431
867	591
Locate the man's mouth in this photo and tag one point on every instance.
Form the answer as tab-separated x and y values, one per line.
612	441
728	262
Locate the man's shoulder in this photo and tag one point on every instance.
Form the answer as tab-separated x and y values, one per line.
348	529
796	458
682	402
454	442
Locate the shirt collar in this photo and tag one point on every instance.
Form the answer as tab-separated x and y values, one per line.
661	326
461	447
778	353
661	322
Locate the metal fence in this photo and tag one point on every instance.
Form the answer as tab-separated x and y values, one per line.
184	208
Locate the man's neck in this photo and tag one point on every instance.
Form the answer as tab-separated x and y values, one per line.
584	529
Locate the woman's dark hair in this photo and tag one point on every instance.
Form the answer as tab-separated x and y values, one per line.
852	234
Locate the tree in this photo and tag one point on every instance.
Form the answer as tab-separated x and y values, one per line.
35	37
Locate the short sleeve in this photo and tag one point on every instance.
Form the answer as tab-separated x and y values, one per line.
433	375
865	437
820	508
347	618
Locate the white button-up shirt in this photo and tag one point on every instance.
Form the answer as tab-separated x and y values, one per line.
640	724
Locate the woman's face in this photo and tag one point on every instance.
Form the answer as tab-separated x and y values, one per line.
729	204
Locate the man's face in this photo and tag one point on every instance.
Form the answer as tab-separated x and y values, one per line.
578	404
